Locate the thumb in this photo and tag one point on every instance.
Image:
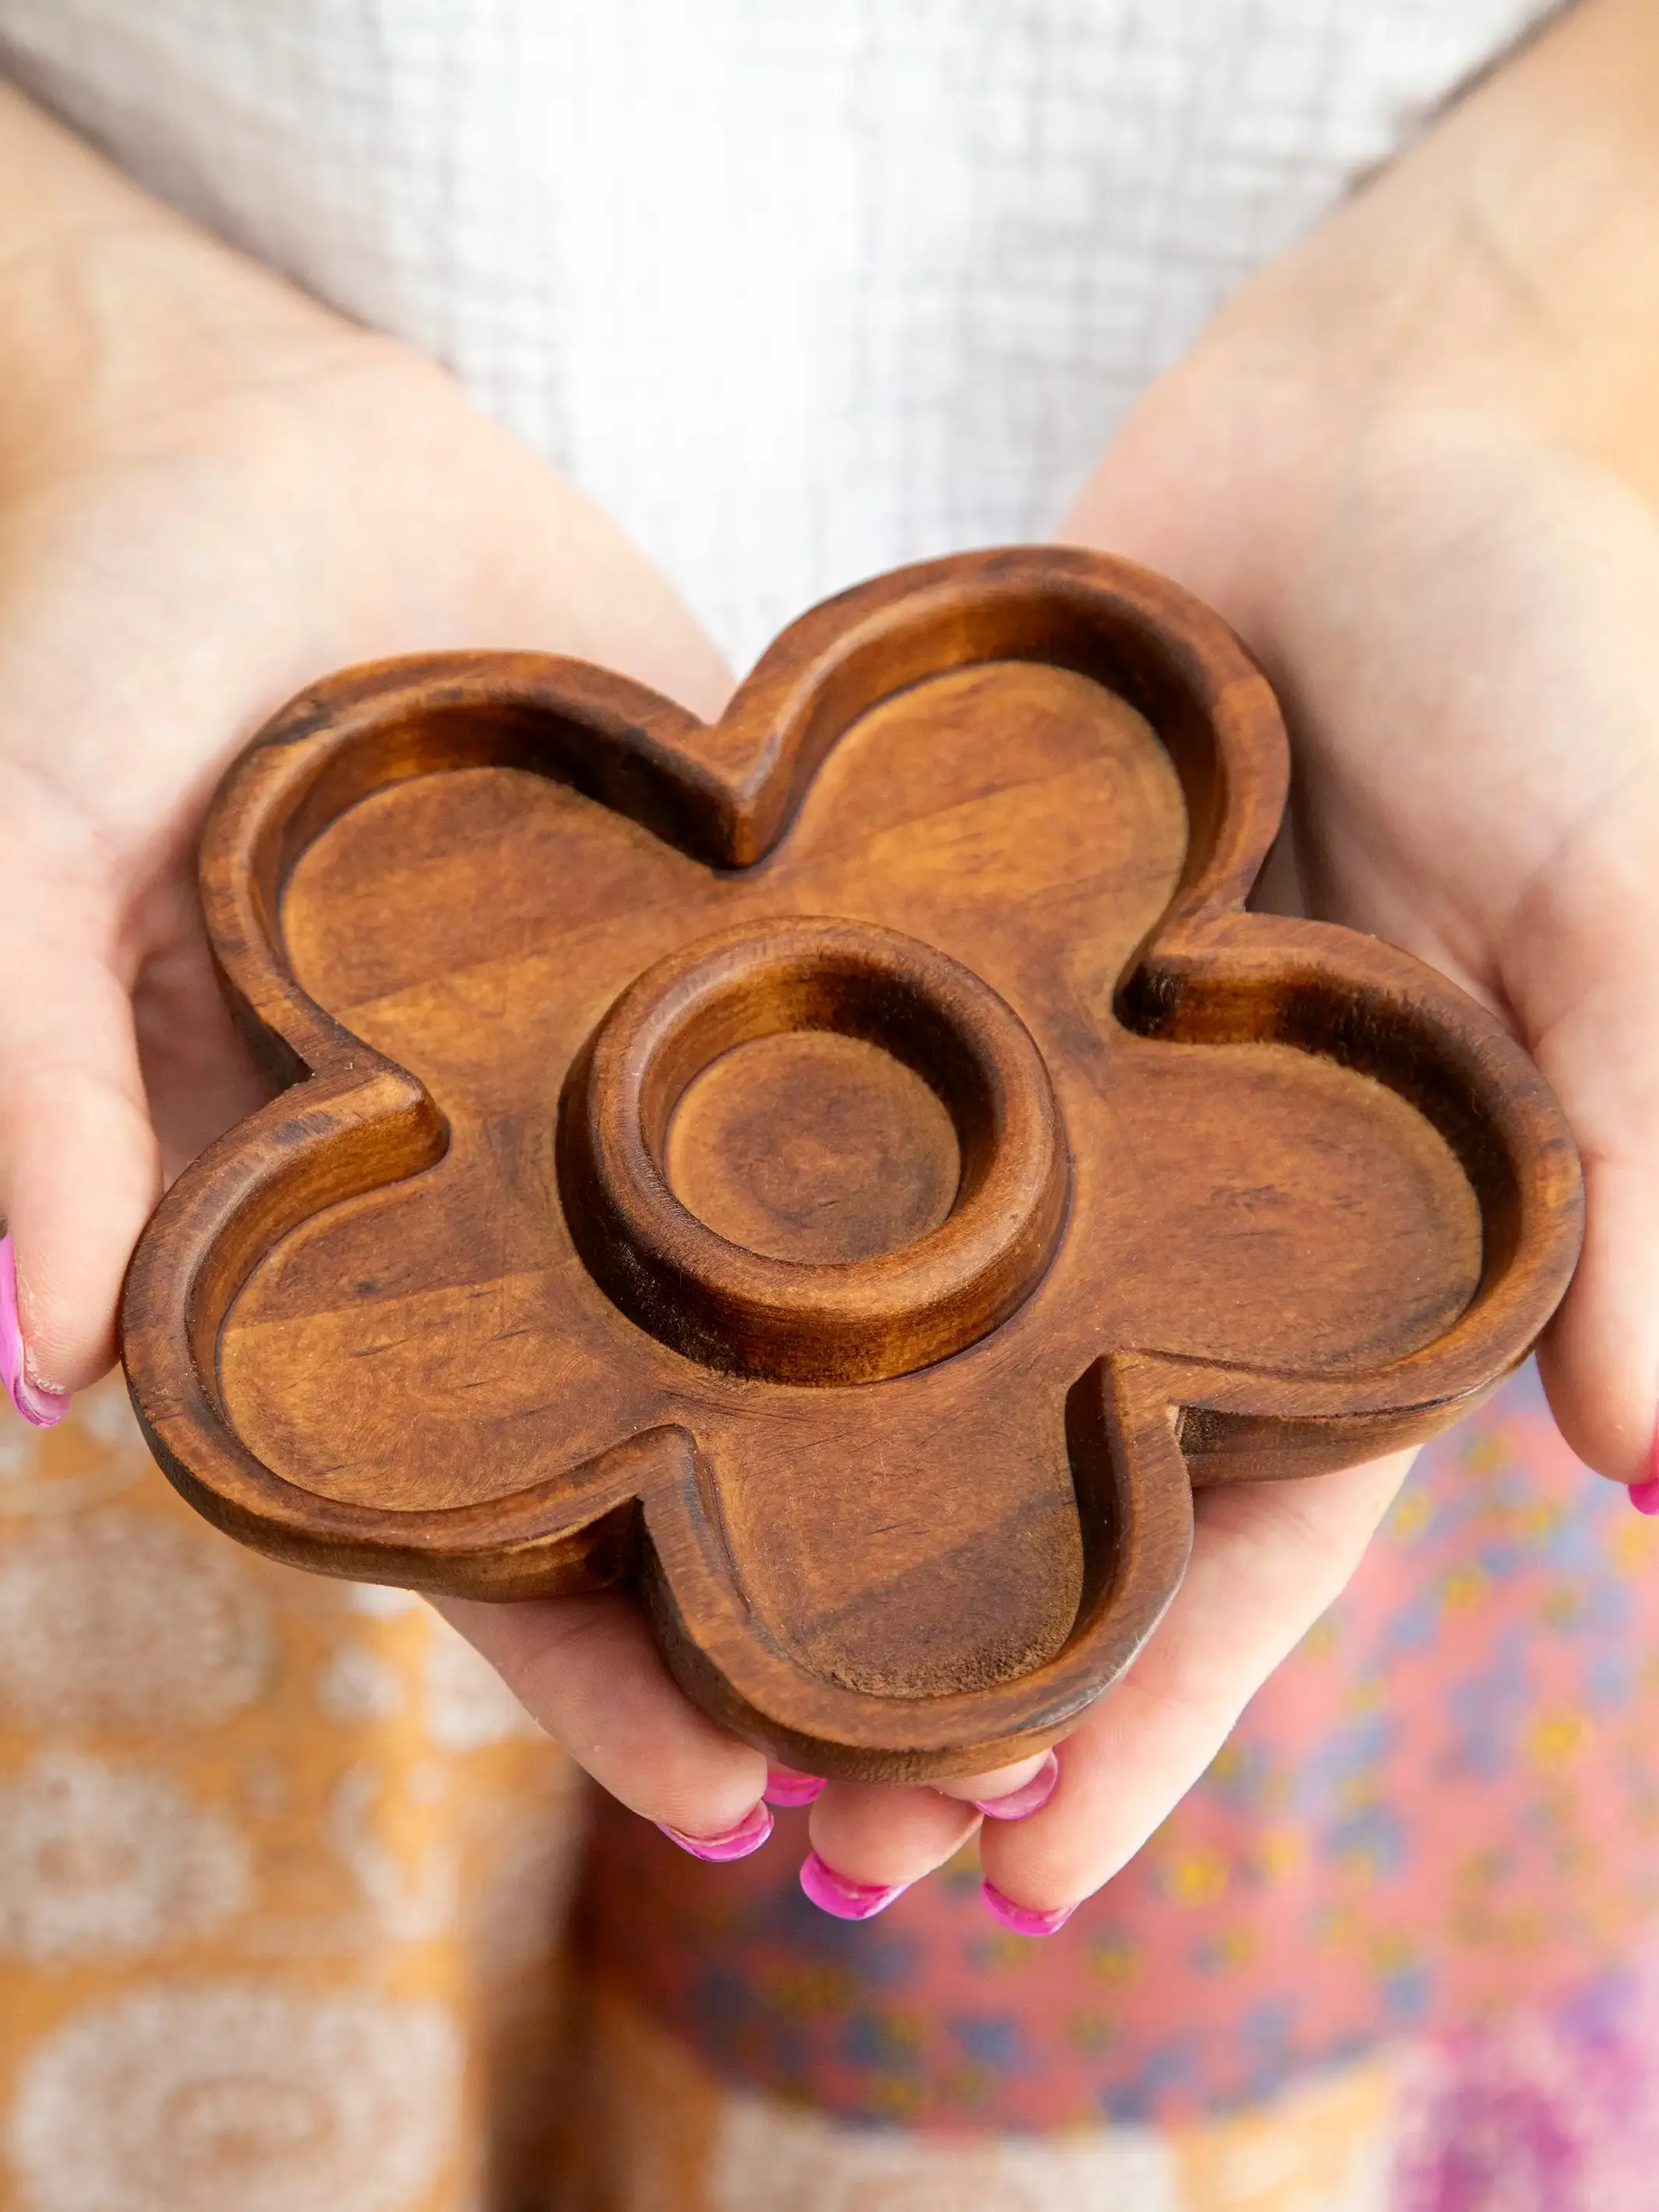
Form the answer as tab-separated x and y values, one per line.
79	1171
1600	1358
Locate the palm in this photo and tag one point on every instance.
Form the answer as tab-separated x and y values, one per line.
1461	630
1503	824
164	586
100	832
166	581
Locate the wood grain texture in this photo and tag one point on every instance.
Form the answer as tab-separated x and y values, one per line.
851	1168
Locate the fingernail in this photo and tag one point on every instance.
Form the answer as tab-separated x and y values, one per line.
1030	1797
843	1899
785	1787
1023	1919
749	1835
1644	1496
42	1407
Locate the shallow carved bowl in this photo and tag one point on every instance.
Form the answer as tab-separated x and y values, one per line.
853	1168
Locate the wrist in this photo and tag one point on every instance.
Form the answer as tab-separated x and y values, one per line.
118	312
1487	310
1503	269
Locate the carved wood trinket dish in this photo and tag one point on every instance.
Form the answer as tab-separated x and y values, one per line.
853	1168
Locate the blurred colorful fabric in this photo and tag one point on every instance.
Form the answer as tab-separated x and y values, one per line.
1444	1804
283	1873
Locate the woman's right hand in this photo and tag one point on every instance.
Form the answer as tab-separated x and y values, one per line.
211	492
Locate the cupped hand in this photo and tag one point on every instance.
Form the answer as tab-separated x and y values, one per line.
169	574
1457	599
1416	465
212	492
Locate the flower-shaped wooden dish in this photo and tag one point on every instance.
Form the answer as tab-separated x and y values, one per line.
851	1168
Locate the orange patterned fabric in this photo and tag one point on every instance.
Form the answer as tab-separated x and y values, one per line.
281	1869
283	1874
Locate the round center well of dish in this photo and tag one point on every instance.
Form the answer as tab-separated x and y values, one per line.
811	1147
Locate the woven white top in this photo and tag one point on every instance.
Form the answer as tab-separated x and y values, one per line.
798	289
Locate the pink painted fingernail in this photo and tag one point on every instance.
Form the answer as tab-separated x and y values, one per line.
843	1899
42	1407
784	1787
1023	1919
1644	1496
1030	1797
749	1835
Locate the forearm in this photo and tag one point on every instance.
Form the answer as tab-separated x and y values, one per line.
111	305
1508	264
1486	311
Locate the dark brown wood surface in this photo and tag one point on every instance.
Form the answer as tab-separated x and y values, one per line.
851	1168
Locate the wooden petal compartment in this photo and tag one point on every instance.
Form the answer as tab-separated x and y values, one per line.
851	1168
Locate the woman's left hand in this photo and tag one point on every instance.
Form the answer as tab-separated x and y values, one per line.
1416	463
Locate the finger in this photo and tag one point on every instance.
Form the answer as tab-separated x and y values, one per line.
1267	1559
78	1166
1596	1043
1600	1358
588	1669
789	1786
871	1840
1008	1793
200	1075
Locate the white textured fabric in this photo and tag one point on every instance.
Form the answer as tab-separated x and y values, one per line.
798	289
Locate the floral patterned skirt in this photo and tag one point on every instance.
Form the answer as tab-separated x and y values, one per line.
285	1879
